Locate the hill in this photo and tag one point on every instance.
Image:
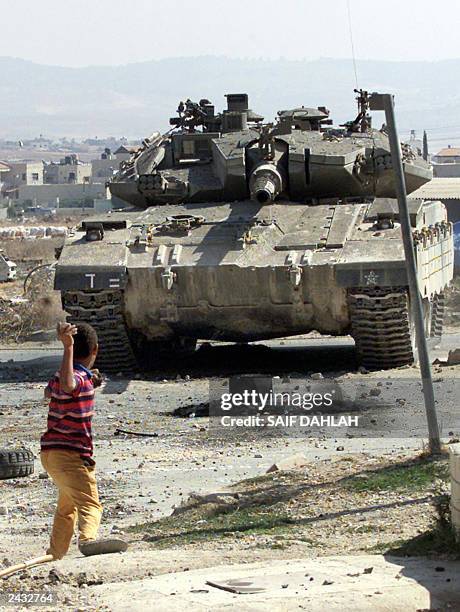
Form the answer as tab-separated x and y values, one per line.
134	99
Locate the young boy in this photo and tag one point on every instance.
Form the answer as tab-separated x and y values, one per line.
67	445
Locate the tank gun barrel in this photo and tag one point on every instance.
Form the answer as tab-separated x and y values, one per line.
265	183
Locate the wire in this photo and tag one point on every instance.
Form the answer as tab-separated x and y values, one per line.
350	28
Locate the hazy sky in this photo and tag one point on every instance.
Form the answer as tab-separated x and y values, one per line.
87	32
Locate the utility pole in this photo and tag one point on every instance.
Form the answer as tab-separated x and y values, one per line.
385	102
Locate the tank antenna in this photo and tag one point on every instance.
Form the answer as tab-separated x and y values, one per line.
350	28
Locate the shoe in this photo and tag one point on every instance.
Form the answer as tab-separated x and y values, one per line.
102	547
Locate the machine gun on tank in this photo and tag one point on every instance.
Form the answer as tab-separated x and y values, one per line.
193	115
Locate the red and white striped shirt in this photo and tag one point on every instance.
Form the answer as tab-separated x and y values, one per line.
70	415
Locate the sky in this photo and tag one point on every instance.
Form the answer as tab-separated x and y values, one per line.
113	32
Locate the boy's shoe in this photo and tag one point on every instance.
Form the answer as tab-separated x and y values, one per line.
102	547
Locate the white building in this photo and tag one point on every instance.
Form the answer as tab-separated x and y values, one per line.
23	173
446	163
69	170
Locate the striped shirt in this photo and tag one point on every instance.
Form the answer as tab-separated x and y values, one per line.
70	414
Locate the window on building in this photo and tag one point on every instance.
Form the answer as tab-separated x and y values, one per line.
35	176
72	177
24	176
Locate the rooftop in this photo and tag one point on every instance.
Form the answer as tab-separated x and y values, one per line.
449	152
127	149
438	189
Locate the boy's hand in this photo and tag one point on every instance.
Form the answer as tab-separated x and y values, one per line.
65	333
96	378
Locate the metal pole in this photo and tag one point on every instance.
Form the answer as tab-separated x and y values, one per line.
385	102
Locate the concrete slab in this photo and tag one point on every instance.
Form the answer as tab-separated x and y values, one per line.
332	583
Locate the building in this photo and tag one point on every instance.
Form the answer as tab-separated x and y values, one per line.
125	151
23	173
104	168
69	170
445	189
58	196
4	169
446	163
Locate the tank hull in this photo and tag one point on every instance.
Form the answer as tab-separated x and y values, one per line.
243	271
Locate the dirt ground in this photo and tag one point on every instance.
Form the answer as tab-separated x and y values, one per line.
352	496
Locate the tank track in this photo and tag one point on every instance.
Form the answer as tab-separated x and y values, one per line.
104	311
438	310
380	326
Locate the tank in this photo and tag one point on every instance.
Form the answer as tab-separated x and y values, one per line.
240	230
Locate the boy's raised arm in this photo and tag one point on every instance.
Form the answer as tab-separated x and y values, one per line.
66	332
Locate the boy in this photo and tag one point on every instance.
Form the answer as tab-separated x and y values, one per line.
67	446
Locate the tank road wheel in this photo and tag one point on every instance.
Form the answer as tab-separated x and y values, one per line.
381	326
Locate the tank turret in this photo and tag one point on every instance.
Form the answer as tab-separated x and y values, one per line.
210	156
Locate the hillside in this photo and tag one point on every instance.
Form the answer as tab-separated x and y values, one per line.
134	99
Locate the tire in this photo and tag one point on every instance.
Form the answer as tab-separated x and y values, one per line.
16	463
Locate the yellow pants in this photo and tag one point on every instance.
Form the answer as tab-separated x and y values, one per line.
78	499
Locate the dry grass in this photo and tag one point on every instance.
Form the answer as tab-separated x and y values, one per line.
41	311
31	250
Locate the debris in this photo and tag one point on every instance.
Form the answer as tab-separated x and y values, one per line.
43	475
118	431
316	376
454	357
13	569
192	411
293	462
55	576
222	498
240	586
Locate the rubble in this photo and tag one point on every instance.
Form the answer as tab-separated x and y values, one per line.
294	462
454	357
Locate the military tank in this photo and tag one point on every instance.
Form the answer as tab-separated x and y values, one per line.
240	230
